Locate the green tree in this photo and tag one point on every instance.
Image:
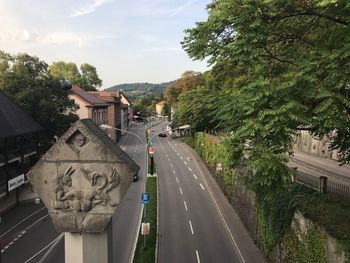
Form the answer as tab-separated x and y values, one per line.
66	71
26	80
194	108
87	78
281	66
188	80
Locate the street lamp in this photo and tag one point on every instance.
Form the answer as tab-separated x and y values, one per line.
105	126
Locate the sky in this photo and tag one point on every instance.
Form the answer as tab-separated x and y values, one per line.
126	40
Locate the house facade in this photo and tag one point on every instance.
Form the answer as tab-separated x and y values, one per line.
90	106
114	116
160	108
19	147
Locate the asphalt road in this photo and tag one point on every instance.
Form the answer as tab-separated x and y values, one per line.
32	240
190	227
26	241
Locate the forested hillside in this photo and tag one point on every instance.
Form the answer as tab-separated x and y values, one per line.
138	90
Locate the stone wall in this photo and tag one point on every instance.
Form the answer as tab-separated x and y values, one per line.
306	143
304	238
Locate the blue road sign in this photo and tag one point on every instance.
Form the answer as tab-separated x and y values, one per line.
145	198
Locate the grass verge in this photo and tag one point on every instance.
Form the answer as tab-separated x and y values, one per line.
147	255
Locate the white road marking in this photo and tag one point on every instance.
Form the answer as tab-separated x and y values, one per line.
191	227
171	164
202	186
197	254
181	191
20	222
177	180
185	163
6	247
222	217
195	176
181	158
11	243
189	168
35	255
19	235
3	250
168	159
173	171
185	206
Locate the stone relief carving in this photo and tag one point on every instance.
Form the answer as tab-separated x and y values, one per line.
69	198
82	179
77	142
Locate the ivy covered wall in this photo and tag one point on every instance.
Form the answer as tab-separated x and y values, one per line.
269	212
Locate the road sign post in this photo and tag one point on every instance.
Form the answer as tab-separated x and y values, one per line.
145	200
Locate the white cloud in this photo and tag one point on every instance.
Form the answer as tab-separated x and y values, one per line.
89	8
182	7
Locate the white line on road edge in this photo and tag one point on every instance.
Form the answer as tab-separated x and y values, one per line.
48	252
124	140
197	254
191	227
202	187
181	191
222	217
35	255
20	222
195	176
185	206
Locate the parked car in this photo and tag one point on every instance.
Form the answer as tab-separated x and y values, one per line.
162	135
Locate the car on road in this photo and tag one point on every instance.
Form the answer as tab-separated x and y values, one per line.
136	178
162	134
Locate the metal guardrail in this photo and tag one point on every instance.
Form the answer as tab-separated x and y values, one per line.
324	184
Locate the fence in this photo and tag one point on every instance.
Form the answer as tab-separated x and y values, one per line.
324	184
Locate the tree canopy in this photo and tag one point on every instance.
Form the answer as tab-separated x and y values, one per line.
26	80
188	80
278	67
87	78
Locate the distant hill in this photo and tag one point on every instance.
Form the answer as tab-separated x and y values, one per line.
137	90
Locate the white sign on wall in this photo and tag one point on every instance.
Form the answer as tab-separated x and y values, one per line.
15	182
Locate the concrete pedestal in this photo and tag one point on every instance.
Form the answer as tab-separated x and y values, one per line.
89	248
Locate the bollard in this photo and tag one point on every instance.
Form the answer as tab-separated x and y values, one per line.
322	188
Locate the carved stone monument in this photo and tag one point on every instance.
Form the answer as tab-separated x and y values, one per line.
82	179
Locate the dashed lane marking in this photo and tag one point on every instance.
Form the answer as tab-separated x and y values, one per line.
191	227
202	187
185	206
197	254
195	176
189	168
181	191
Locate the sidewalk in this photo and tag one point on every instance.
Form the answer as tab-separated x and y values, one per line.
240	236
322	165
